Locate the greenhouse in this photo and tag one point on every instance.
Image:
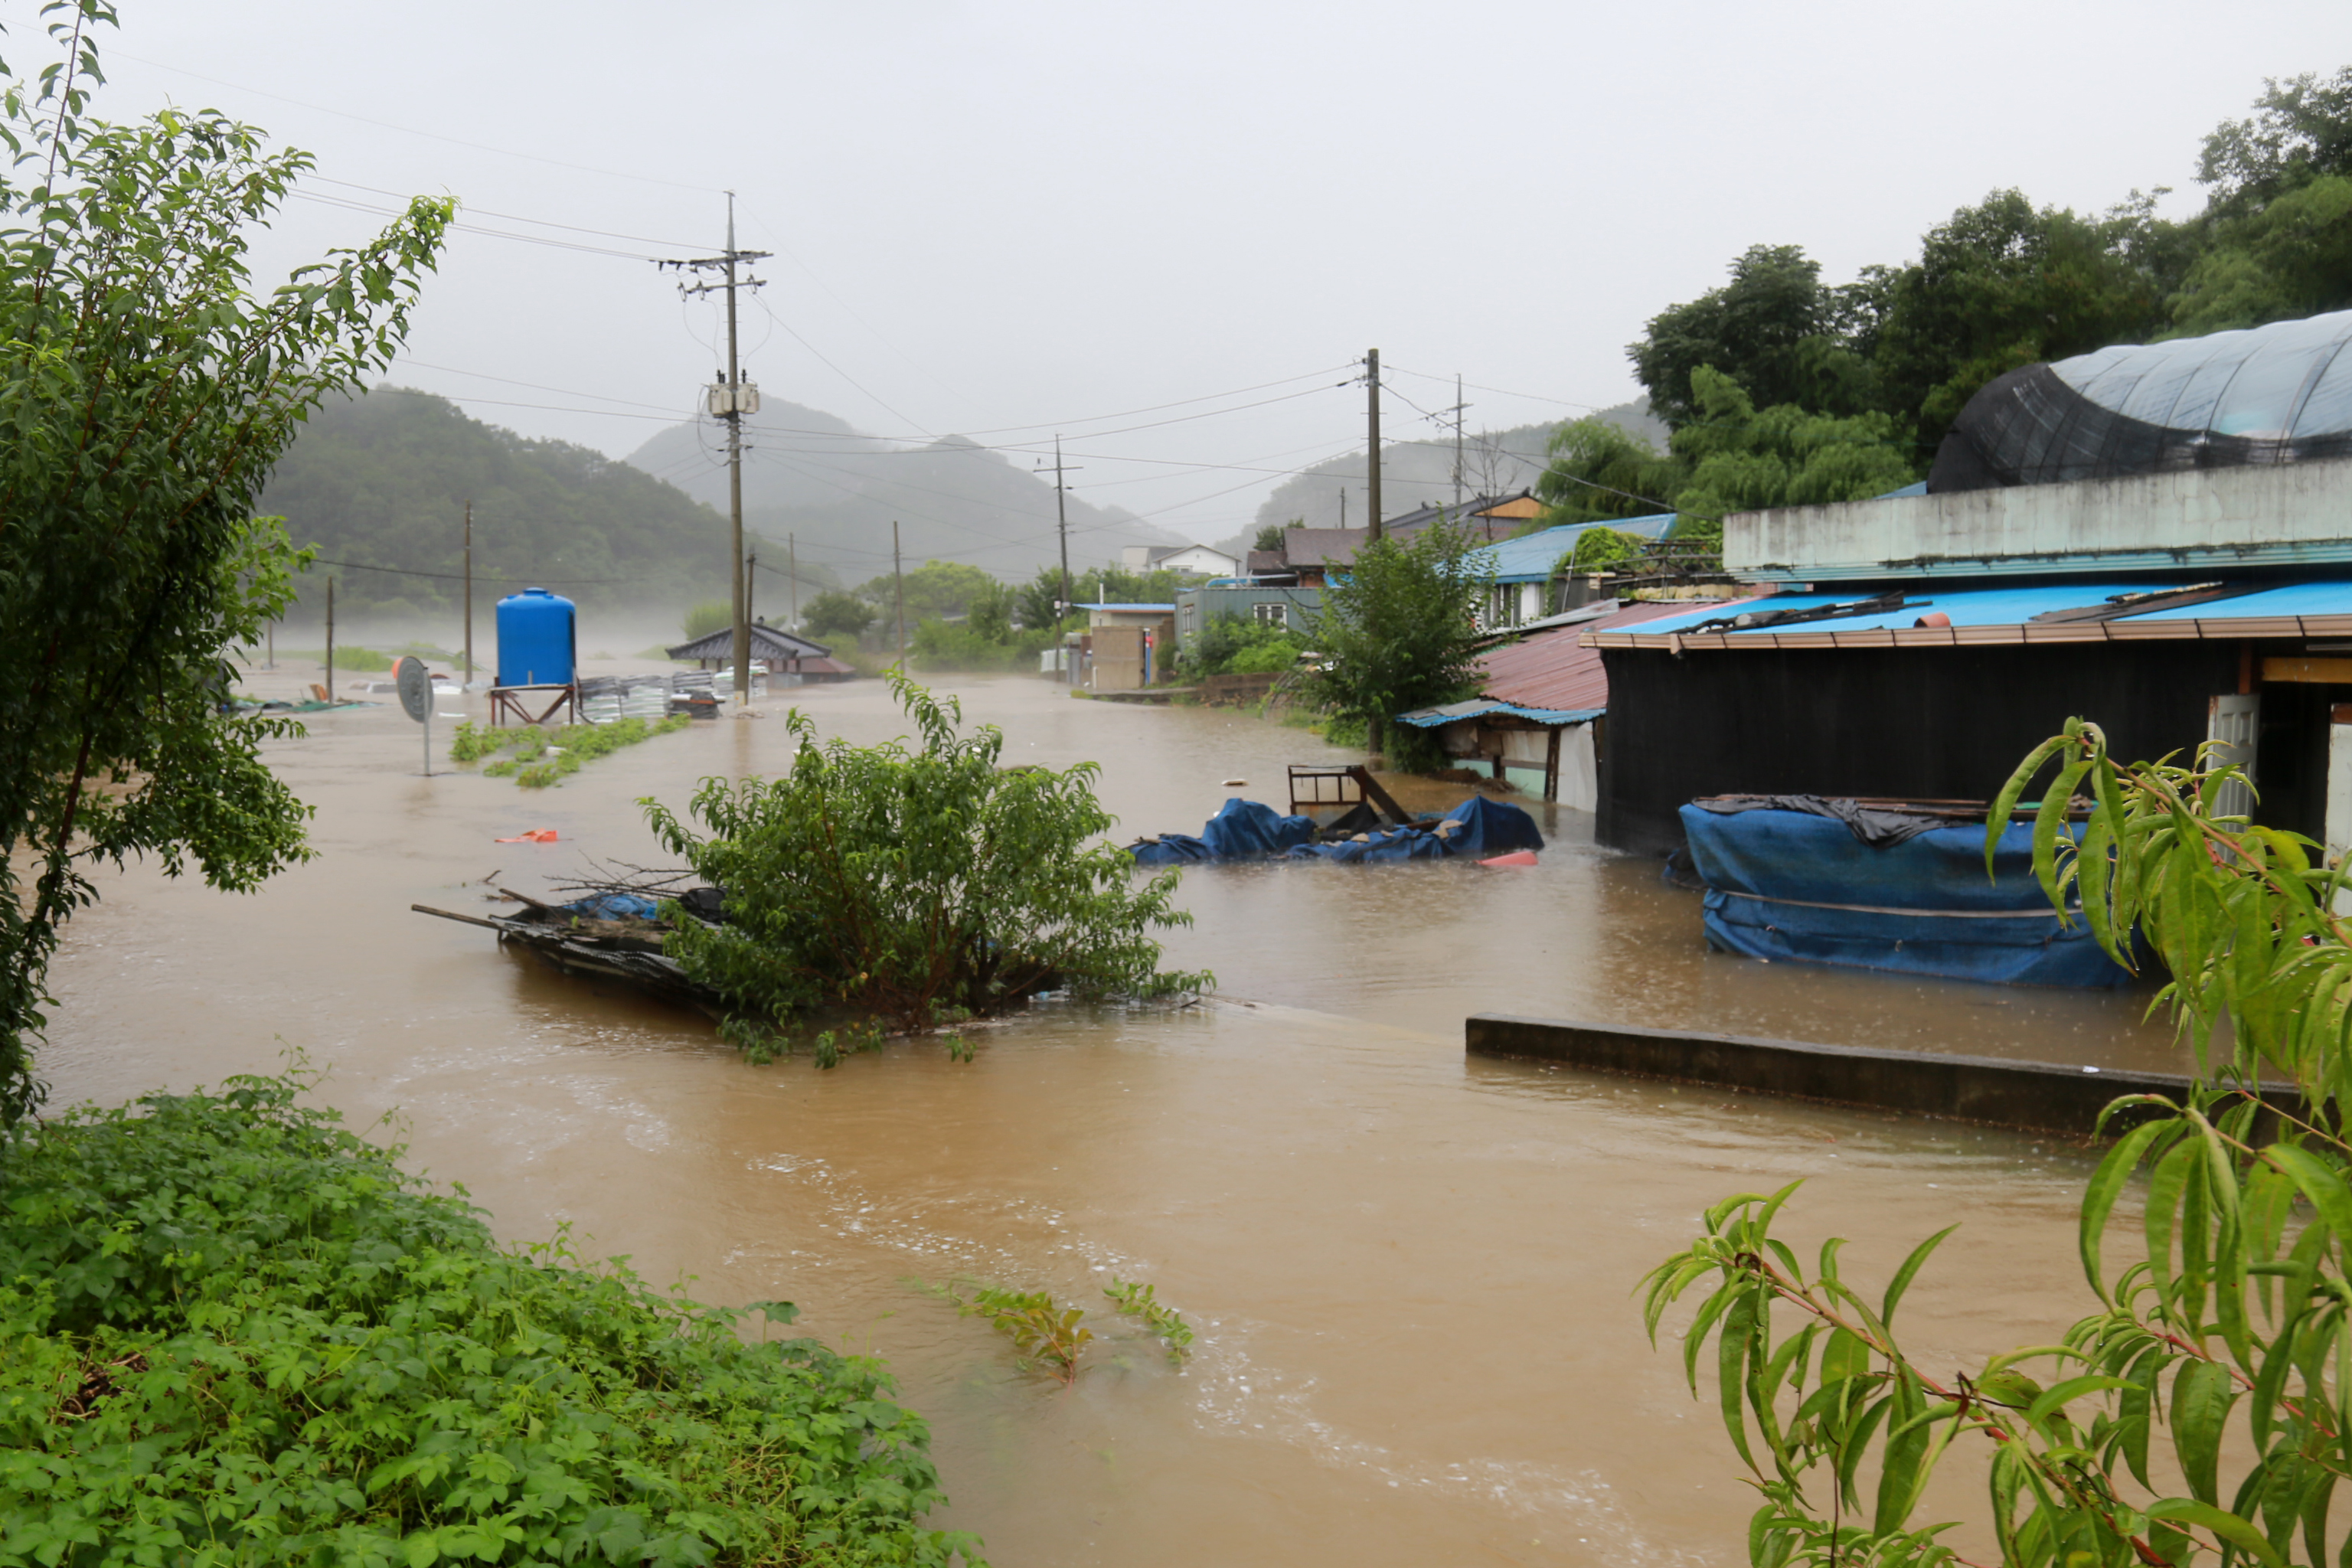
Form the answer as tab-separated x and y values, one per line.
2278	393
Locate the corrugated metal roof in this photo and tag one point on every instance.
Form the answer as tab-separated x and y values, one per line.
1553	671
1531	557
1479	707
767	642
2004	614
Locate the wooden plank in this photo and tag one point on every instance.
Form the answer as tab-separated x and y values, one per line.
1379	796
2309	671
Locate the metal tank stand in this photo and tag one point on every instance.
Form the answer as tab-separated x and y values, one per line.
515	702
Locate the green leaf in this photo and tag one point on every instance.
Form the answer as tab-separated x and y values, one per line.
2229	1527
1910	1270
2202	1394
2106	1185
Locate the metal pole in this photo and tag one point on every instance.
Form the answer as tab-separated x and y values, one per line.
330	639
899	583
1459	409
1062	525
469	596
1372	455
735	479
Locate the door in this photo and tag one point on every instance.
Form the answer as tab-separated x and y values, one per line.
2232	724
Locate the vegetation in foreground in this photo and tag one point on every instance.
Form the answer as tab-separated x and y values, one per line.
920	886
1050	1337
2203	1411
149	391
237	1333
540	759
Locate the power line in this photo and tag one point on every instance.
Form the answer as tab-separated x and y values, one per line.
410	129
460	576
511	217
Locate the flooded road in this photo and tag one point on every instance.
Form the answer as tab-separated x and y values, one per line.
1410	1272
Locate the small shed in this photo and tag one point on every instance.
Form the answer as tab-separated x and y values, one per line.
1538	723
780	652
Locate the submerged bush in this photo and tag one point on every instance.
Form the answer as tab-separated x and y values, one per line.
235	1333
920	886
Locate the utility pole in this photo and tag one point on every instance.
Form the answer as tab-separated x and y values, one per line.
330	639
751	588
469	596
730	400
898	587
1460	411
1343	506
1062	524
1372	457
793	580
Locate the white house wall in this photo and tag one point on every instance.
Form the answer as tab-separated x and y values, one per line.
2288	514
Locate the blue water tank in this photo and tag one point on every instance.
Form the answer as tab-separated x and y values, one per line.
538	641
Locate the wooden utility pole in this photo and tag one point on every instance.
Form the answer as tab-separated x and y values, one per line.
793	580
1062	525
1460	412
898	584
730	400
330	639
469	594
1372	456
752	589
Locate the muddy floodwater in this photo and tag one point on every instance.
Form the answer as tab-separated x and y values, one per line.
1410	1272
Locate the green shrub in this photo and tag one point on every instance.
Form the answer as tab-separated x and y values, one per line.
968	645
920	886
361	660
574	746
1229	645
239	1335
710	615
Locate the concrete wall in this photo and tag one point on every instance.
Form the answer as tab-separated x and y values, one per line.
2290	513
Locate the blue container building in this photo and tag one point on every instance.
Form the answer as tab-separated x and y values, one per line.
539	643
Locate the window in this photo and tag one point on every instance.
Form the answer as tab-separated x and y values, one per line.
1192	619
1276	614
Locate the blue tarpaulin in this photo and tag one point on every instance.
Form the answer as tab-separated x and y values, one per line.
1490	827
1242	830
613	906
1790	886
1390	843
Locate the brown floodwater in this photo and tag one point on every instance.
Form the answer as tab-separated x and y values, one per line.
1411	1272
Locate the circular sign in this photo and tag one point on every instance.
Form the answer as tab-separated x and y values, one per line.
415	689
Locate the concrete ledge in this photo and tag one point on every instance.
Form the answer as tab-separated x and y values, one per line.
2035	1095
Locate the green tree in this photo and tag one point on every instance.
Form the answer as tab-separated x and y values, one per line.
1398	632
1272	536
1741	459
1774	328
943	588
2201	1407
2301	131
833	613
2003	284
1596	549
147	392
1600	471
708	616
1035	600
2291	258
915	885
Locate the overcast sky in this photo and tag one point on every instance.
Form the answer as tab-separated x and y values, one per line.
1014	219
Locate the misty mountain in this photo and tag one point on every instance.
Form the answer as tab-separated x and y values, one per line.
835	493
382	481
1416	474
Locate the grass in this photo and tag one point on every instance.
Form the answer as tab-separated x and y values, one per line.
238	1333
541	759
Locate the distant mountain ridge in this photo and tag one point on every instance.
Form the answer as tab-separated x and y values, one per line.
380	482
836	492
1416	474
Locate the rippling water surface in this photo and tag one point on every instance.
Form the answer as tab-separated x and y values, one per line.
1411	1272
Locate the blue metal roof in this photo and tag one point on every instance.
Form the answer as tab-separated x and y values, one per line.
1455	712
1160	609
1965	607
1531	557
2322	598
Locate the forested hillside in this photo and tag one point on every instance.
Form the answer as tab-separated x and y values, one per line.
383	480
836	492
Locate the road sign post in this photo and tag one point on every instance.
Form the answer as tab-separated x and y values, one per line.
416	683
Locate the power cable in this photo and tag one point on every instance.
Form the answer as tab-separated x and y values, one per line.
460	576
411	130
511	217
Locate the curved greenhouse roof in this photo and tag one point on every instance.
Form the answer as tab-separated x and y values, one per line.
2278	393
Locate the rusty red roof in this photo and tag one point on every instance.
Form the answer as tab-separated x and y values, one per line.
1549	670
